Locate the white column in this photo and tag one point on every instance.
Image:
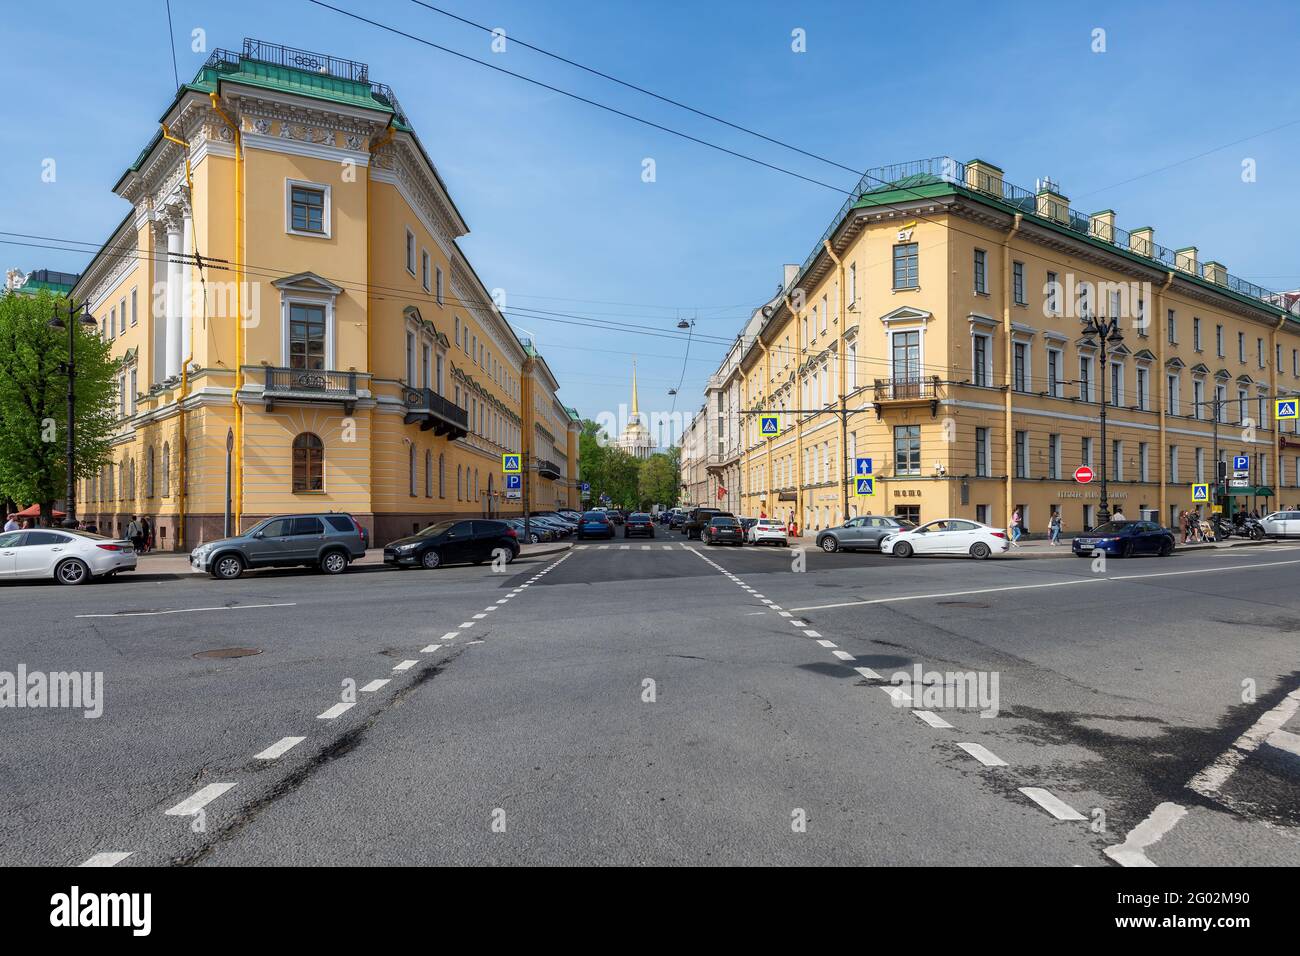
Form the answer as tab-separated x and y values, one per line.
175	292
187	306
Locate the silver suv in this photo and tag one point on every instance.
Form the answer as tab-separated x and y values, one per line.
326	541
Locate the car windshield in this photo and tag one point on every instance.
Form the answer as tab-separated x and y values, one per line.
435	529
1112	527
723	522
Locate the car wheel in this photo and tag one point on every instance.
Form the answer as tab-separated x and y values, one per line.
334	562
980	550
431	559
72	571
1166	548
829	544
533	539
903	550
228	567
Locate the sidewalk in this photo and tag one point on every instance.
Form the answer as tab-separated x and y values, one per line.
1042	548
177	563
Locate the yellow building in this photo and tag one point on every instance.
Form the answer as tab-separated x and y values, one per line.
288	281
937	329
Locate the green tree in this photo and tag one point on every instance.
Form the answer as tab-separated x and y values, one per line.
33	400
609	470
660	481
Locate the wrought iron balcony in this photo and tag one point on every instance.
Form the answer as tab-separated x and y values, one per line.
309	385
547	469
433	412
907	390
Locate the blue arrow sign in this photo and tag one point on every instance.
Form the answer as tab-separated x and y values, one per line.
514	482
862	466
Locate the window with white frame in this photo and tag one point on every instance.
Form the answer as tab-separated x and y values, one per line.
981	272
1022	454
438	285
1143	462
1054	384
307	208
410	252
982	353
1198	397
1052	289
1171	386
1143	388
1053	456
1173	464
424	269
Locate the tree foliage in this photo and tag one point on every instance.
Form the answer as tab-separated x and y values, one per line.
33	400
629	482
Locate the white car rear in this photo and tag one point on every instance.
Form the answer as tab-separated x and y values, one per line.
69	557
767	531
948	536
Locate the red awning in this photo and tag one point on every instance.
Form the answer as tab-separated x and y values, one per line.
34	511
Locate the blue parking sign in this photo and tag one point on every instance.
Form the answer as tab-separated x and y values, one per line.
769	425
514	482
1241	463
586	488
865	487
862	466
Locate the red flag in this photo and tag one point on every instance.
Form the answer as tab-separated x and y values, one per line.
722	492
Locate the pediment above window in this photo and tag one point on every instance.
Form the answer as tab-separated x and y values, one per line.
307	283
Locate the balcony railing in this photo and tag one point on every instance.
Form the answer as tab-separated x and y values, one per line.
433	412
547	469
309	385
907	387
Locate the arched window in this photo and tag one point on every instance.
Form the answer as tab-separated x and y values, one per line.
148	473
428	474
410	462
308	463
442	476
167	470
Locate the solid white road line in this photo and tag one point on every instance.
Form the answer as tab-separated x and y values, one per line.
106	859
868	673
1132	852
280	748
374	685
934	720
1052	803
192	805
1049	584
192	610
985	756
405	665
336	710
1209	780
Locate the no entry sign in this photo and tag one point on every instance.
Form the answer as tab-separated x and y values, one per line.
1083	474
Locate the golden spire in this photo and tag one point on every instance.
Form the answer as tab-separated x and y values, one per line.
635	412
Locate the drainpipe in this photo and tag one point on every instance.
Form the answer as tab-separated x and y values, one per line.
1008	358
185	362
1162	331
237	494
799	346
844	398
1277	425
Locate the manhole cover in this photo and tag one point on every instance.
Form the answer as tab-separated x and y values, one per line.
962	604
223	652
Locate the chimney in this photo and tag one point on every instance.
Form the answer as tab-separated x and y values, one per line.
1216	272
984	177
1103	225
1142	241
1052	204
1185	259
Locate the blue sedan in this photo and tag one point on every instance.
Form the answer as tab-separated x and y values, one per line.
1124	539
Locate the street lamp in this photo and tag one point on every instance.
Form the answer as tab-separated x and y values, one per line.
69	368
1108	333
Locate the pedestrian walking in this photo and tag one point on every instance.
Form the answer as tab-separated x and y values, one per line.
135	534
11	523
1184	524
1015	526
1054	528
146	529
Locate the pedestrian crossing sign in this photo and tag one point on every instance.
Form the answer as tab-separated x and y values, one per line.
769	426
510	464
1287	408
865	487
862	466
1200	492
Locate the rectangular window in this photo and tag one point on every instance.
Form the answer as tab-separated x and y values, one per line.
1116	384
1198	398
425	366
1022	455
1054	372
1053	456
306	336
1221	403
410	252
981	453
133	390
1117	460
135	315
307	209
1018	282
1259	352
1085	378
438	285
1143	462
981	272
1196	333
982	369
853	366
906	360
1143	396
424	269
853	283
907	449
1200	464
1172	387
1171	327
1218	340
410	359
1173	464
1021	358
982	514
825	312
1052	288
1085	452
905	265
1241	347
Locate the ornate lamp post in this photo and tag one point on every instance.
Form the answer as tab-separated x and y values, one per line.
1108	334
76	315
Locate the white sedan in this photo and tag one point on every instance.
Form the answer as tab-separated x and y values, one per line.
769	530
69	557
1282	524
947	536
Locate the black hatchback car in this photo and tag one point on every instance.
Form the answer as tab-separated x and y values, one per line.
723	530
453	542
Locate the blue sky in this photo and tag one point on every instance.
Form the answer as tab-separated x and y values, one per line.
552	189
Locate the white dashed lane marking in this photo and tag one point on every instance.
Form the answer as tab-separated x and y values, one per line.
374	685
192	805
985	756
1132	852
405	665
336	711
1052	803
106	859
934	720
280	748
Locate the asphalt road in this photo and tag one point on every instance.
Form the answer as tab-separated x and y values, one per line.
668	703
